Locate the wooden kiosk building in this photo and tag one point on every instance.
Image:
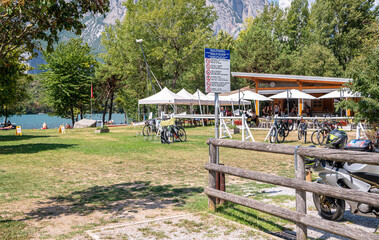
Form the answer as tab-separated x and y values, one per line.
270	84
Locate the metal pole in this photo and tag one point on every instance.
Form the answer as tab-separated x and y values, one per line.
201	112
217	124
147	68
239	99
91	97
288	103
341	100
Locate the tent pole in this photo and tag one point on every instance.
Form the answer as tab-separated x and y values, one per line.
138	112
201	112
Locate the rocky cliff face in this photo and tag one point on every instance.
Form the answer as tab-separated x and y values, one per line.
232	13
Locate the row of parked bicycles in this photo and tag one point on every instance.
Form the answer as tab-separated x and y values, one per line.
282	127
169	131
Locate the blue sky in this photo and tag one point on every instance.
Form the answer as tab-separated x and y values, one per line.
286	3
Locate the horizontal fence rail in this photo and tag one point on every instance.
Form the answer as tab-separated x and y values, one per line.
342	193
284	213
299	184
320	153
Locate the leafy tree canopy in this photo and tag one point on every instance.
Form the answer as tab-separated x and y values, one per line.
69	70
340	24
24	22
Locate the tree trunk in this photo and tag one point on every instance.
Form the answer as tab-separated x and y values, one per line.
81	112
125	118
72	116
6	115
111	106
105	109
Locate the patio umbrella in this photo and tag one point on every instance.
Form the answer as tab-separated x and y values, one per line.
292	94
341	93
250	95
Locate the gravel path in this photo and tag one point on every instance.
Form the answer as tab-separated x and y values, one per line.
208	226
353	221
181	227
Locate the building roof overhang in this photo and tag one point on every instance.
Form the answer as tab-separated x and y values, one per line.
291	78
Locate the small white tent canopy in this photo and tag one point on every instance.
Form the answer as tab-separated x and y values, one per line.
341	93
184	93
292	94
202	98
165	96
250	95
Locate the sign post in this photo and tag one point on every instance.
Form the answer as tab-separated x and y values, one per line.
18	131
217	79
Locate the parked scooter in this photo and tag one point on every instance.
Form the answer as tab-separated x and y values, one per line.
355	176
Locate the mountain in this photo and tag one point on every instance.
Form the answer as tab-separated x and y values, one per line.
231	14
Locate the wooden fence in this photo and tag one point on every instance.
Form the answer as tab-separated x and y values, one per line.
299	216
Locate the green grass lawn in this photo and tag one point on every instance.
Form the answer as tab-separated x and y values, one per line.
45	175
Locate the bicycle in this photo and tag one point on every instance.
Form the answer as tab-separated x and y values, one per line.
150	127
315	133
172	133
278	132
326	128
302	131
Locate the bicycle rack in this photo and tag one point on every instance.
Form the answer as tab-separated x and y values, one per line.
224	129
248	134
359	129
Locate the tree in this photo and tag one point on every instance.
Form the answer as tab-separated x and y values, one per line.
69	70
364	70
24	23
340	24
193	77
255	49
174	34
316	60
13	85
297	24
108	84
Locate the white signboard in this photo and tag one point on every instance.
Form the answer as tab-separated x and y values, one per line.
217	70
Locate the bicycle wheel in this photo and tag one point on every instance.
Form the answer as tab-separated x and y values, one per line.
281	135
299	133
305	136
182	134
164	136
273	133
290	125
321	136
145	130
314	137
286	131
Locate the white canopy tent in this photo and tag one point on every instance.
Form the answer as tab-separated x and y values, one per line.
341	93
165	96
184	93
202	98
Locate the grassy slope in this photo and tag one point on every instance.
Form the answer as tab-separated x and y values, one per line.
90	172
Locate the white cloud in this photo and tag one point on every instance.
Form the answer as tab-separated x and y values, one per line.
377	2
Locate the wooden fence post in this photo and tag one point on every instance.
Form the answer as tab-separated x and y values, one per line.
212	176
301	199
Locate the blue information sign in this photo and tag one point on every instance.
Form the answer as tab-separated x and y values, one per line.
217	70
